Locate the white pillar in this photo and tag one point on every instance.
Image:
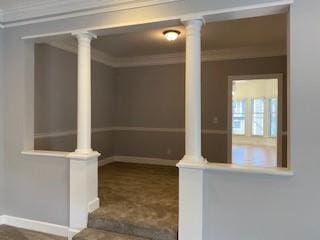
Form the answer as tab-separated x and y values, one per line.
83	162
83	188
193	92
84	92
191	167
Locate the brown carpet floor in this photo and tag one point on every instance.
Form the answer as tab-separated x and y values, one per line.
12	233
94	234
139	200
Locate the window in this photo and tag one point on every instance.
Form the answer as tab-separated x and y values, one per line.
273	117
238	117
257	116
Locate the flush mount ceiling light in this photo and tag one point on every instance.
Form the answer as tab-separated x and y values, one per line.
171	35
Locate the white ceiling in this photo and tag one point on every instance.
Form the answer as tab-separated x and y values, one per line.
252	32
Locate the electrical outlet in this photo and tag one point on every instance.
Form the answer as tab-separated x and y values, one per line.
169	151
215	120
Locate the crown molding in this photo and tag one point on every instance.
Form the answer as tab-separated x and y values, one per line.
207	56
173	58
96	55
50	10
254	10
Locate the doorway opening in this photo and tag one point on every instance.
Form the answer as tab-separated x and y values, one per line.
255	120
138	112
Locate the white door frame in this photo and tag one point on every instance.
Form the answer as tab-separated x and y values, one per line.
278	76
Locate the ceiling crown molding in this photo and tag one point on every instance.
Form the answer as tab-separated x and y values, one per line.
174	58
50	10
96	55
207	56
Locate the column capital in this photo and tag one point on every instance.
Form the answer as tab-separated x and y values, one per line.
84	35
193	21
193	25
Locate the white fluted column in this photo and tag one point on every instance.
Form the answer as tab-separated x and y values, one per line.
84	92
193	91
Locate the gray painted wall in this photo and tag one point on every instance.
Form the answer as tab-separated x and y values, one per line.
36	187
56	100
237	205
151	96
2	179
251	206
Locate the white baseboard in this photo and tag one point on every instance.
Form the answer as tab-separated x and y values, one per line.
93	205
38	226
1	219
72	233
105	161
142	160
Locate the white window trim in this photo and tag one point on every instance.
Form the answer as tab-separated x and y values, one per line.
245	119
264	117
269	119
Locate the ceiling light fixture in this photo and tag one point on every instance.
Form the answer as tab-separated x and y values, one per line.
171	35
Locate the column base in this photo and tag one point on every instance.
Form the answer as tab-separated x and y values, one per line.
84	151
83	155
191	204
83	187
191	161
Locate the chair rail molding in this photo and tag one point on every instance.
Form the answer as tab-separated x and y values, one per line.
125	128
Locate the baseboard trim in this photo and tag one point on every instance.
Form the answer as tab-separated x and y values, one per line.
142	160
34	225
105	161
1	219
72	232
93	205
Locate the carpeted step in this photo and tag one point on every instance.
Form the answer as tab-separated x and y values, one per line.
138	200
150	223
94	234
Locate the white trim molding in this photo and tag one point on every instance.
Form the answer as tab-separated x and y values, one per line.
69	133
107	129
141	160
226	167
70	45
207	56
172	58
45	153
34	225
252	10
51	10
105	161
93	205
